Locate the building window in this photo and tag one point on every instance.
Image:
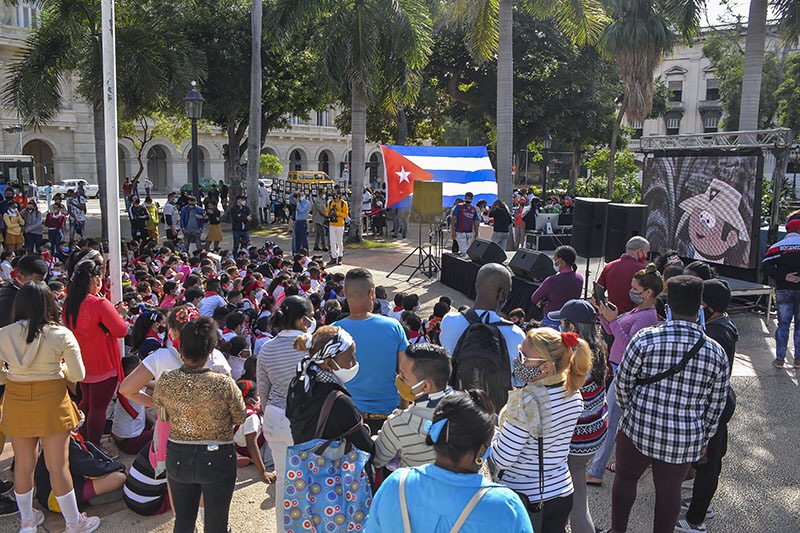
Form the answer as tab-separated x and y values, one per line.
676	91
27	15
323	119
638	129
673	125
295	121
712	89
711	124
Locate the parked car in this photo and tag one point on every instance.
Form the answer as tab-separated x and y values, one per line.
205	185
91	189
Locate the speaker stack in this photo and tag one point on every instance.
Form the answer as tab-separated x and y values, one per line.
531	265
482	252
624	221
589	226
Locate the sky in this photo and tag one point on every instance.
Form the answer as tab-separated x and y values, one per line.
717	11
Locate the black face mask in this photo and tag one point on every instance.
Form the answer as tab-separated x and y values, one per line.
707	312
467	202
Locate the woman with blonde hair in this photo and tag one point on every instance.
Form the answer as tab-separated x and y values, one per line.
530	451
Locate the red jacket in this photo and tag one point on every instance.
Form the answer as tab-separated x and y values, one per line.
99	346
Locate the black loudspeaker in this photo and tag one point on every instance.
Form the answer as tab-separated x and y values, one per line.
482	252
624	221
530	265
589	226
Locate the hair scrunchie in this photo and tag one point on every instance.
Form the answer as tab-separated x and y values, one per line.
570	338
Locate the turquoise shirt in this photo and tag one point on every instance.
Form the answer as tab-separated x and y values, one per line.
436	497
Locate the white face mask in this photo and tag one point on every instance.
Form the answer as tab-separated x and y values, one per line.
312	326
345	374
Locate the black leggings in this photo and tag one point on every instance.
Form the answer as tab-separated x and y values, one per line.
553	517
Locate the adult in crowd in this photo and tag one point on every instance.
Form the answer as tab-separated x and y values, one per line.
30	267
277	367
300	227
616	275
171	217
319	218
450	492
223	194
139	217
48	193
464	223
720	327
782	263
263	203
214	219
337	212
55	222
148	186
37	405
423	373
33	227
700	269
501	223
240	220
558	289
201	456
127	189
14	224
644	287
98	326
192	220
673	361
153	218
579	316
492	287
76	206
381	340
531	449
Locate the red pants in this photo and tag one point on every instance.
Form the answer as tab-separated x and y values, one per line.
95	398
134	445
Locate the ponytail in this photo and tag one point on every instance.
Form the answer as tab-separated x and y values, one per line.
301	342
579	365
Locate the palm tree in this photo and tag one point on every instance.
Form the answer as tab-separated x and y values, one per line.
753	65
640	33
362	42
581	21
153	68
254	128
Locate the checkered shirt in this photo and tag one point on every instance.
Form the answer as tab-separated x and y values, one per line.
671	420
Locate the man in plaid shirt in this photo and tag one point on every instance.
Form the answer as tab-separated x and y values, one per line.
666	423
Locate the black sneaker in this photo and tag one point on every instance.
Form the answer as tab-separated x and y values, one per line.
8	506
6	487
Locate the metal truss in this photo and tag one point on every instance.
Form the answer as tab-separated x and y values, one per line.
777	138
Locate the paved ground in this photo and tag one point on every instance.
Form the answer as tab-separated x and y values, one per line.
760	485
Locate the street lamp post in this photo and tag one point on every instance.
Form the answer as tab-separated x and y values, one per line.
16	128
193	103
547	144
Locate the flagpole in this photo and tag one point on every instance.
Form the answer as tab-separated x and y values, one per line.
114	257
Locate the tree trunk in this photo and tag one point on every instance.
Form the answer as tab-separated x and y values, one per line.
753	65
402	128
233	161
98	118
139	172
357	165
612	149
505	102
575	169
254	129
782	157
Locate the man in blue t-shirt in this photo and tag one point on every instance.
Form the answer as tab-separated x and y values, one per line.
464	223
379	342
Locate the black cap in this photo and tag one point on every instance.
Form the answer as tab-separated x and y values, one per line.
717	294
578	311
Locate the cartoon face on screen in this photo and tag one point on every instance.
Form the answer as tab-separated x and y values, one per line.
715	223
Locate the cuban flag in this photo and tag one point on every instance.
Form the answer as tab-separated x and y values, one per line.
461	169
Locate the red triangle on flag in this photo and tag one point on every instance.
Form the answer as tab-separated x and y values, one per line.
401	174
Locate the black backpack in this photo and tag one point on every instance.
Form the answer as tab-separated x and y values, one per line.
480	360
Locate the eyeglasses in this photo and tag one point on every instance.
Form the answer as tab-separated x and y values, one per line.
521	357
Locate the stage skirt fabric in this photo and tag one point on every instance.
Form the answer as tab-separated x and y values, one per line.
37	409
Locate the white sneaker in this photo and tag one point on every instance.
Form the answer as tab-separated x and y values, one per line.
683	526
86	524
30	526
686	502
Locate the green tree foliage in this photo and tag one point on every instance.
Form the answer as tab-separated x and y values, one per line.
724	49
269	165
140	131
627	186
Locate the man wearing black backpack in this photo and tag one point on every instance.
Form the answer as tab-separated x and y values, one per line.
482	344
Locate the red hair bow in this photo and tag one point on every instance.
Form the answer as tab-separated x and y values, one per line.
570	338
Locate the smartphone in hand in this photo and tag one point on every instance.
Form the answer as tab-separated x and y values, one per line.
599	294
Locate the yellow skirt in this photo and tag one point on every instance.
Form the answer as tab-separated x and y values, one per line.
14	239
37	409
214	233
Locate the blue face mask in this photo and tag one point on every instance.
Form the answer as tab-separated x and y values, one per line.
701	317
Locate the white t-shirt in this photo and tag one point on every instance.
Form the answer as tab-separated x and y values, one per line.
237	366
165	359
125	427
366	200
210	303
252	424
171	211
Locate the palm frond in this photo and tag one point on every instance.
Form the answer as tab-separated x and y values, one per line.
478	19
788	14
582	21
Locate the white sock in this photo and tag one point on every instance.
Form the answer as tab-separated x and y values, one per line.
201	512
69	507
25	504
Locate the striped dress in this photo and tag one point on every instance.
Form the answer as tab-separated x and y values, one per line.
590	432
515	450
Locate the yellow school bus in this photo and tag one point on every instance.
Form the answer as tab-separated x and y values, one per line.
307	180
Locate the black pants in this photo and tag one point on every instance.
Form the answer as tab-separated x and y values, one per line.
553	516
194	469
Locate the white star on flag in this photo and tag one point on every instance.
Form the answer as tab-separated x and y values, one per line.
403	174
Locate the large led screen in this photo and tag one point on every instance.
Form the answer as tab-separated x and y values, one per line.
705	207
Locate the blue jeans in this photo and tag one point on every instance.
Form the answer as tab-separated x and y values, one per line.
238	237
788	308
55	237
598	466
300	236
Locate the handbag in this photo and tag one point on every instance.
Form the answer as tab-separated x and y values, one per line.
462	518
327	484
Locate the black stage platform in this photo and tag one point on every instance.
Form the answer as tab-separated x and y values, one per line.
459	273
